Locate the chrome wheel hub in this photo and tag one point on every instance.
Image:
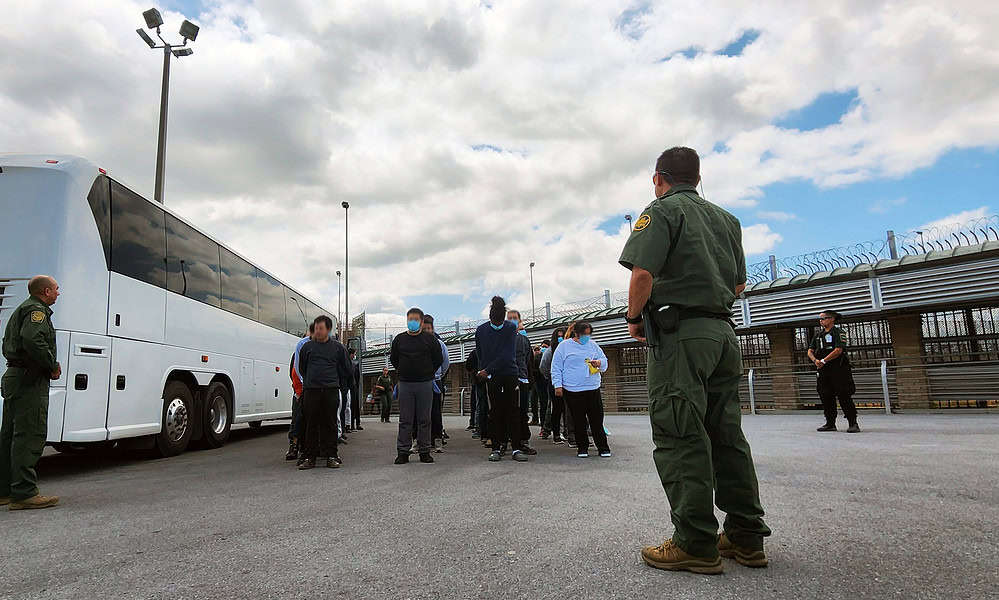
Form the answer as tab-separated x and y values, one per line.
176	420
218	415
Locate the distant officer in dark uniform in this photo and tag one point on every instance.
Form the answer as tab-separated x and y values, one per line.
687	267
835	376
29	346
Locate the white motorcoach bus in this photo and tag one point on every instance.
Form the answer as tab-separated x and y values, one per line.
164	335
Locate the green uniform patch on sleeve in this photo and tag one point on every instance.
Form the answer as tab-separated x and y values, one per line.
37	316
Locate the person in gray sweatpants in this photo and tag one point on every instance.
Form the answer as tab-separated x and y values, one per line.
416	356
416	399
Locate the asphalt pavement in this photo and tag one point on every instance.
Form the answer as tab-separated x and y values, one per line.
907	509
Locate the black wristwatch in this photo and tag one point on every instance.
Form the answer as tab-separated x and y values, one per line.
632	320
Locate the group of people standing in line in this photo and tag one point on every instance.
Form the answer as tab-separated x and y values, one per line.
558	382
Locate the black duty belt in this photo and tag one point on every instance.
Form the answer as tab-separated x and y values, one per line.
686	313
18	364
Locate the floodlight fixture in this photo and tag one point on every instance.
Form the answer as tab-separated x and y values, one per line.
145	38
189	31
182	52
153	18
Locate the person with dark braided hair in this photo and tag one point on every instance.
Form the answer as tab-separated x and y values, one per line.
496	348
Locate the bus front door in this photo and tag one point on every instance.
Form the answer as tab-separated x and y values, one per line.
87	387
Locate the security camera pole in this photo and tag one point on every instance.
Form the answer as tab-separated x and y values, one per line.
189	31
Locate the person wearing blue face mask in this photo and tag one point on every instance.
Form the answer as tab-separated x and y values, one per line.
496	348
576	368
416	356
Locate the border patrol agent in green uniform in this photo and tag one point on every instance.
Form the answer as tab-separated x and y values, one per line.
29	345
384	394
687	267
834	374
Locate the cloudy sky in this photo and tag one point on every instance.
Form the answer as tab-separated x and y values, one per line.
472	138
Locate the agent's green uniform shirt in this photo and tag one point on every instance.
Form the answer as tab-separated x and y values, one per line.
693	249
29	347
386	383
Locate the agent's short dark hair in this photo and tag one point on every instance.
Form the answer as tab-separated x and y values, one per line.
324	320
835	315
312	327
581	328
352	351
497	310
679	164
39	283
415	311
428	319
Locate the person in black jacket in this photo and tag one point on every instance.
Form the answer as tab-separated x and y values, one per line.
325	369
416	356
355	392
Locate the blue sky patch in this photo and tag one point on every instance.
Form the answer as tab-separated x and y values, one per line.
736	47
629	22
827	109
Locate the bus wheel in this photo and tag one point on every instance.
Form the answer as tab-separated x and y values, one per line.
255	424
218	416
177	414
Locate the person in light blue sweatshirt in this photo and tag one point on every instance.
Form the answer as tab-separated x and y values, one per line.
576	367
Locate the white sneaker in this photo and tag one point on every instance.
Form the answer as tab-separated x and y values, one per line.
437	447
582	455
605	454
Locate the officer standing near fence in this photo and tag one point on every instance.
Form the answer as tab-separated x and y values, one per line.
687	267
29	346
835	376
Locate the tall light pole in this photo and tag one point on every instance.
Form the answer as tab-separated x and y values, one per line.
346	263
628	219
339	321
533	316
189	31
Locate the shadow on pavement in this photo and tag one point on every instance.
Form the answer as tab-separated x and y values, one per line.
93	458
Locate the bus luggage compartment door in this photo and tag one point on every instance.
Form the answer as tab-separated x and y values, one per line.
87	386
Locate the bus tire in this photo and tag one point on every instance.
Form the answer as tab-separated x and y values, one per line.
177	425
255	424
218	415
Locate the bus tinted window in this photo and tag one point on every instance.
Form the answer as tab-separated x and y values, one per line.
239	285
138	237
100	204
270	301
298	317
192	263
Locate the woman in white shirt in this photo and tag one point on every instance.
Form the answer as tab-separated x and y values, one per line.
576	367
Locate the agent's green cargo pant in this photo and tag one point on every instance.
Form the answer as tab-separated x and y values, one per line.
23	432
701	454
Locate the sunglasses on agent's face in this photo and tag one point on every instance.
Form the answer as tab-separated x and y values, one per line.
821	319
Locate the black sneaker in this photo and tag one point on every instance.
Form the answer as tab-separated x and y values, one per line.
528	450
307	463
545	435
827	427
519	456
402	459
333	463
338	460
495	456
426	458
470	428
292	451
557	441
854	428
342	440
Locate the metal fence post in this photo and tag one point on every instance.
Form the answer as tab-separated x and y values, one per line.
892	249
548	310
607	303
752	392
461	402
773	268
884	386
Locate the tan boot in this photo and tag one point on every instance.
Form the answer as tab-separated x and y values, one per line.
38	501
670	557
744	556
